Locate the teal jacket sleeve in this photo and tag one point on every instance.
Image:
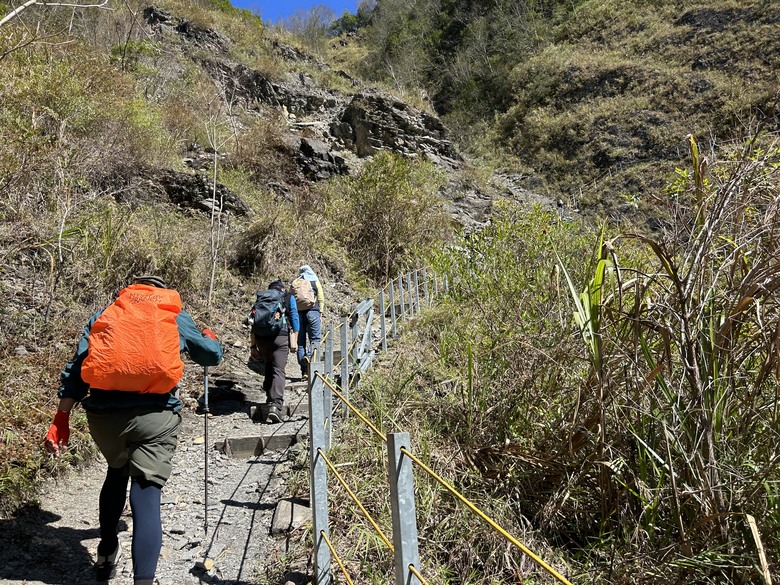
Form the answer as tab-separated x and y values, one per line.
71	384
203	350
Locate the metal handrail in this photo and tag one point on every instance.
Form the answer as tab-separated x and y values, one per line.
417	574
355	499
493	524
337	557
354	409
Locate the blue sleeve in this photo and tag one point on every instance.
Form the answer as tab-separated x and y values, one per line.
203	350
295	322
71	384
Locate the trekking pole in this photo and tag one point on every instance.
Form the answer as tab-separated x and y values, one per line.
206	449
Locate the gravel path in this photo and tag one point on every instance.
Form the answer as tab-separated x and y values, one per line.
56	543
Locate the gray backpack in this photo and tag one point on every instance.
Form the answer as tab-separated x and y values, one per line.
268	315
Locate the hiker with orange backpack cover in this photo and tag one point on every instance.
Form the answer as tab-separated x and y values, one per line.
124	373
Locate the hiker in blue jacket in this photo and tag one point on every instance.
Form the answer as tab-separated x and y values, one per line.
311	321
273	349
137	434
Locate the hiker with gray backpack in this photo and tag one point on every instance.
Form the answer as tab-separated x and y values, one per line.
273	335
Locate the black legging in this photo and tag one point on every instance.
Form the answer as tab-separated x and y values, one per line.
147	526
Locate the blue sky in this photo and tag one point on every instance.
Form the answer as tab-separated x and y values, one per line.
273	10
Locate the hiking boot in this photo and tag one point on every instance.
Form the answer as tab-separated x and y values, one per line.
105	566
274	415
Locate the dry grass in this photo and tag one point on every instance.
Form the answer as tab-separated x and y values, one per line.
619	85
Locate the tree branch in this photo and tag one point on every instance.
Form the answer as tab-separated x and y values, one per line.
13	13
29	3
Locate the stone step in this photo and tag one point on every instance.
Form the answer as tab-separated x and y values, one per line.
270	438
297	406
299	386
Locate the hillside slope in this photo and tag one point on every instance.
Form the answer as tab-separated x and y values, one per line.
590	101
184	139
610	395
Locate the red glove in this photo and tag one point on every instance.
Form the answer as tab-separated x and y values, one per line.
209	333
59	433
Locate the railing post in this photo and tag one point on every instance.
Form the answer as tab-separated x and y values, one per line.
425	287
401	479
355	336
319	477
382	320
327	356
345	358
327	392
435	284
417	290
365	338
411	296
401	297
393	327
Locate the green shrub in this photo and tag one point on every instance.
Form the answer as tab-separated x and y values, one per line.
134	53
388	215
476	381
617	433
506	275
265	246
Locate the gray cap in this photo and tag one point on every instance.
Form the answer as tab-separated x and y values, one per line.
150	280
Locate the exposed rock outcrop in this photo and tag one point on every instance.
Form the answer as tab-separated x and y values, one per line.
186	190
368	123
160	20
249	87
373	122
317	160
328	131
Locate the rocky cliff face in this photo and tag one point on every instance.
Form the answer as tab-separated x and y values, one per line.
328	132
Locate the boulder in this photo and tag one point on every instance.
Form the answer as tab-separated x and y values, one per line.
161	20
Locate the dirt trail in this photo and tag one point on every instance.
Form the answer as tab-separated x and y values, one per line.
56	544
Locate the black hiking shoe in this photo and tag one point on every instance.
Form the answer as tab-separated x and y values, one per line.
305	368
105	566
274	415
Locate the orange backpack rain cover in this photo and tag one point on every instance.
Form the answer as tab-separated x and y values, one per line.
134	344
